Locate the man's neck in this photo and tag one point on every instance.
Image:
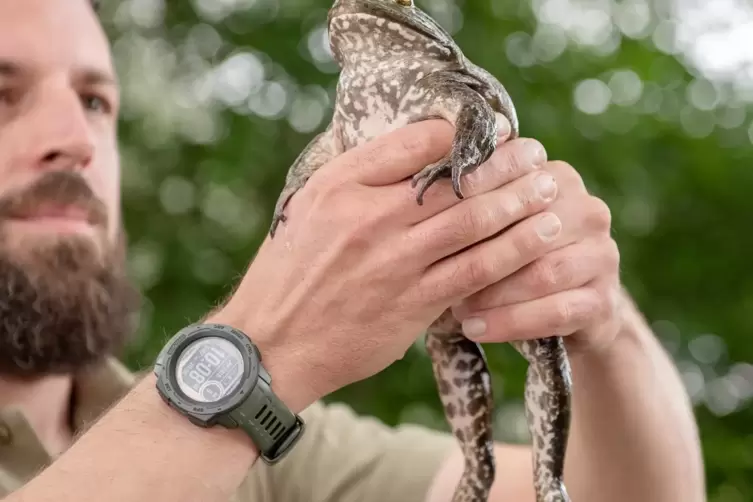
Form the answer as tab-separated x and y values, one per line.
45	402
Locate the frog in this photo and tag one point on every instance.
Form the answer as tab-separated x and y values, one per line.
399	66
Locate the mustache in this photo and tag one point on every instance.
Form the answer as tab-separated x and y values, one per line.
56	188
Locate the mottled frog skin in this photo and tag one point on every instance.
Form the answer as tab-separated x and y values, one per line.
399	66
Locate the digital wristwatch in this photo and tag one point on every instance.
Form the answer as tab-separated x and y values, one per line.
213	374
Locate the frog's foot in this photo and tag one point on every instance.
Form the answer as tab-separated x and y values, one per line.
432	173
279	213
474	142
317	153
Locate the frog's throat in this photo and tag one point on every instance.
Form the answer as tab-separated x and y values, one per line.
409	17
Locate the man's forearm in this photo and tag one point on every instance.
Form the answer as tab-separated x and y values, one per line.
142	450
633	435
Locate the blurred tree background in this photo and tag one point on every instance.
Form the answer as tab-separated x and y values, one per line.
650	101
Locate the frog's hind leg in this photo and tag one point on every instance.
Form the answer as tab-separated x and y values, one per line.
495	94
318	152
547	406
464	384
452	98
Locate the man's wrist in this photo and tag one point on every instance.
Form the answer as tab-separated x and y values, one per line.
169	419
290	381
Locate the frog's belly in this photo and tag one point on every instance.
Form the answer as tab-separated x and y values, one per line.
358	130
369	118
379	109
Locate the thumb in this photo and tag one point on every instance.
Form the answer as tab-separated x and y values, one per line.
397	155
402	153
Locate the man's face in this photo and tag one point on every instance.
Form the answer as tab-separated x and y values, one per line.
64	297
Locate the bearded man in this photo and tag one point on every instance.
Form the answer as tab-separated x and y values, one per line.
66	307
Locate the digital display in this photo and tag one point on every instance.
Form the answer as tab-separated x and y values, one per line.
209	369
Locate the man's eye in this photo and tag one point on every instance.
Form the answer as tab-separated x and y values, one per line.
95	103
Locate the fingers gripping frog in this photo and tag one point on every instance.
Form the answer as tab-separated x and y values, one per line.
399	66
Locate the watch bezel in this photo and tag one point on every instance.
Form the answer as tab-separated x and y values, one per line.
203	413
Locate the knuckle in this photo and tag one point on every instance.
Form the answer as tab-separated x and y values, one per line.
602	305
612	254
561	168
364	218
359	235
526	194
562	313
473	183
512	203
575	311
562	271
475	221
546	274
536	233
385	210
514	158
477	271
566	174
600	214
525	241
523	197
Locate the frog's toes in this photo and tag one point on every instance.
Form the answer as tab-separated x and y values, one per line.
430	174
469	151
279	212
475	142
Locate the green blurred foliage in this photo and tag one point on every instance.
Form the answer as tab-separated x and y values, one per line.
221	96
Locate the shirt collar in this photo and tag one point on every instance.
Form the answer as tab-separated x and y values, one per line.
95	390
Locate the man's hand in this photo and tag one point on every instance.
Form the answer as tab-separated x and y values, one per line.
359	269
627	395
573	289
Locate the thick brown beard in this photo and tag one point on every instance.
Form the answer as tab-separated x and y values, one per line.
66	305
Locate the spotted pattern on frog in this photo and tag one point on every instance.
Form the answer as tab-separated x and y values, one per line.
547	406
377	91
399	66
465	390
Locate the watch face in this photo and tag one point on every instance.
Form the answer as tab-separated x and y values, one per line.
209	369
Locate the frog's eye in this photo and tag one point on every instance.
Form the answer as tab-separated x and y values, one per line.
405	3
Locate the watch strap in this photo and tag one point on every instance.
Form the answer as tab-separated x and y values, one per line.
272	427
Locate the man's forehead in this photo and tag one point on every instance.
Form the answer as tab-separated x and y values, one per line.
53	35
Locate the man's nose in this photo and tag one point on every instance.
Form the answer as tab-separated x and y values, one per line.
64	134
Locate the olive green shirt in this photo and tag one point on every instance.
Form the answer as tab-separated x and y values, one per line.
341	458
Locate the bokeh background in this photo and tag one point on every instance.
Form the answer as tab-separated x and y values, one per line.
649	100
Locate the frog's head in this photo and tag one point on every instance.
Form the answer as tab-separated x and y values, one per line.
361	13
364	5
393	10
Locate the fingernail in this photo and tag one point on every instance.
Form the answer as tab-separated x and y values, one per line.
503	129
535	153
474	327
546	186
548	227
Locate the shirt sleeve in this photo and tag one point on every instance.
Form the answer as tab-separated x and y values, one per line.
344	457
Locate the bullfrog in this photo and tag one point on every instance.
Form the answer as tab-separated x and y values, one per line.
399	66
